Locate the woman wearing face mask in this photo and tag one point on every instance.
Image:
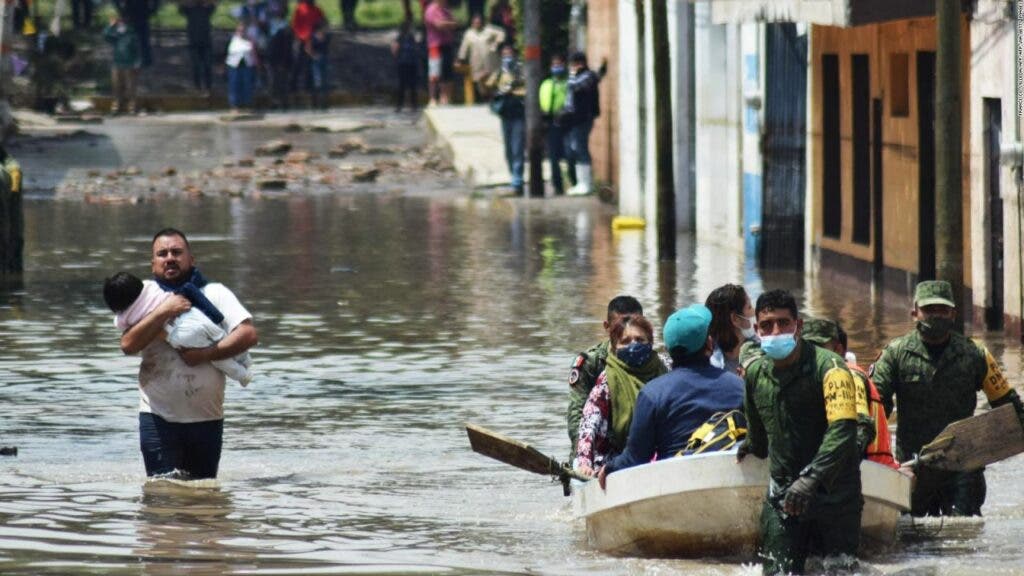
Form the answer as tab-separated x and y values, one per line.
608	412
732	324
508	105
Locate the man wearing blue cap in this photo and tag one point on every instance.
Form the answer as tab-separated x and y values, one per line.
670	407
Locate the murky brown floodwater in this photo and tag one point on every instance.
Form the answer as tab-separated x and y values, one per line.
386	321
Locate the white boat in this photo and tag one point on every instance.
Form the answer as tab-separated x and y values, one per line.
709	505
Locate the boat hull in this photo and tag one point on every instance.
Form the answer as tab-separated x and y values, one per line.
709	505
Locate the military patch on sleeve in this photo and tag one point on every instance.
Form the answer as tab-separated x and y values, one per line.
995	384
840	395
574	377
580	360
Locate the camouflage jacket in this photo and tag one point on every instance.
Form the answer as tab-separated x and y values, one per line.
586	367
933	392
804	419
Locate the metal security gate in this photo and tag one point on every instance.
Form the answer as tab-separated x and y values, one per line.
783	147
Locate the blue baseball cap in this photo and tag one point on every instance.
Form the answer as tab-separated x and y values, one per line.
687	328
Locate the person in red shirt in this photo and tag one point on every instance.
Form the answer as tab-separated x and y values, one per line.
306	18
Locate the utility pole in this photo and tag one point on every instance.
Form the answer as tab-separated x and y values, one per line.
534	123
663	131
641	96
949	234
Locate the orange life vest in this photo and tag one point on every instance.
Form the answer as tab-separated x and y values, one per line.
880	449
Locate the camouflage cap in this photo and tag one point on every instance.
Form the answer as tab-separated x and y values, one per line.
934	292
820	331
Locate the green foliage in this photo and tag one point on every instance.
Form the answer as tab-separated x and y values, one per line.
372	14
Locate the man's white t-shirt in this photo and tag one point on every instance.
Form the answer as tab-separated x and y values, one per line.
181	393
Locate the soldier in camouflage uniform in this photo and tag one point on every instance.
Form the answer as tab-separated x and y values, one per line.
801	407
825	334
588	366
935	374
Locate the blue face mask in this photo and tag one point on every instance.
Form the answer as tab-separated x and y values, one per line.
507	61
558	71
635	355
778	346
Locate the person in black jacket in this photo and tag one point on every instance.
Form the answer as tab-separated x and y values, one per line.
137	13
197	15
581	108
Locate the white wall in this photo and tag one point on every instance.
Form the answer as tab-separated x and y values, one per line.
992	76
634	200
719	130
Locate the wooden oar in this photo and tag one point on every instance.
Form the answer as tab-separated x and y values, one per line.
519	454
972	443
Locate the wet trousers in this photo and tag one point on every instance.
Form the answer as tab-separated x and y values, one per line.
193	448
941	493
825	530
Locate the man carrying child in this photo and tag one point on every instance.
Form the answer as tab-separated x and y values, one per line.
181	408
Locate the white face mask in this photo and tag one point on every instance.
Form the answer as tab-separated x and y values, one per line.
749	333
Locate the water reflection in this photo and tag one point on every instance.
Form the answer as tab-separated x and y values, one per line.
386	322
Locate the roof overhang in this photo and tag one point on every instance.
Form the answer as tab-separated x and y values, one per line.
826	12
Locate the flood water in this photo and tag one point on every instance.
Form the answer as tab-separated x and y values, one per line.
386	320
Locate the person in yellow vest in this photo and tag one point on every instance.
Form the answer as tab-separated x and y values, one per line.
552	101
933	375
873	436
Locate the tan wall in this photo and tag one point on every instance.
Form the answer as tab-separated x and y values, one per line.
899	135
603	43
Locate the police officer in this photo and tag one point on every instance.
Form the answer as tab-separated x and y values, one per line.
588	366
934	374
801	407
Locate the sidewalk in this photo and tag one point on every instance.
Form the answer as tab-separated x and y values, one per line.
472	136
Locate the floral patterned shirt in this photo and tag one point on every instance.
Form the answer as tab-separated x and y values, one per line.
594	446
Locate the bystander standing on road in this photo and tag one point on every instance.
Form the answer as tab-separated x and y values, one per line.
508	105
279	58
406	52
440	25
197	15
124	68
137	13
320	85
582	106
305	19
552	101
241	67
480	49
